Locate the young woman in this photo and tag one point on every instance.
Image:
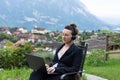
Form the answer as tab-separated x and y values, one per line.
67	57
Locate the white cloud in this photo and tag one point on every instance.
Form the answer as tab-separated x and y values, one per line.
2	16
29	19
104	9
7	3
117	28
40	0
79	10
20	21
48	22
36	14
104	28
53	19
44	17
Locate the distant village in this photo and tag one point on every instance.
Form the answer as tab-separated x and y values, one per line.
42	35
36	35
23	34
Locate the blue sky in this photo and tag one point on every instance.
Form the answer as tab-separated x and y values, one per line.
107	10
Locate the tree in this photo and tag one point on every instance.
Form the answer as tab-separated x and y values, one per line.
8	37
59	38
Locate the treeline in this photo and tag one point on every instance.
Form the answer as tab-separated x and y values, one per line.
8	37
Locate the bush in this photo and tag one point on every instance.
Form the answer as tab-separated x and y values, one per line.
96	57
5	58
14	57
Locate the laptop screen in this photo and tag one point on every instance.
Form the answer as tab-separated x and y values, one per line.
35	62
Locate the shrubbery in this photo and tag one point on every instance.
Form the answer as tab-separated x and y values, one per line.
96	57
14	57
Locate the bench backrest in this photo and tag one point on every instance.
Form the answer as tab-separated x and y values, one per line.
84	48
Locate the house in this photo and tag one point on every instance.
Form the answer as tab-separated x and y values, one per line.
33	38
54	34
23	30
42	39
20	42
5	30
20	35
37	38
3	42
96	42
19	30
39	30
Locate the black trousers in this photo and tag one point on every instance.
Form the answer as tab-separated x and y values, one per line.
42	75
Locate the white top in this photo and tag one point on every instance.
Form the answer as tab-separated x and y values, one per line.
59	56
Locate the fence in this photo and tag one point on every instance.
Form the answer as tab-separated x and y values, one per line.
112	44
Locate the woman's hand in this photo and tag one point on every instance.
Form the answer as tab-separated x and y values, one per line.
47	66
50	69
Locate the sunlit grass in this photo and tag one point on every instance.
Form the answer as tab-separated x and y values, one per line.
110	70
114	56
15	74
19	74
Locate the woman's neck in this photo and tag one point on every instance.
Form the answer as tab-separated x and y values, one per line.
68	44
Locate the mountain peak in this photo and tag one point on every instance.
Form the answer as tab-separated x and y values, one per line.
51	14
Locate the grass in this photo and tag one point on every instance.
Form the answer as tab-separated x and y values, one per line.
23	73
15	74
19	74
109	71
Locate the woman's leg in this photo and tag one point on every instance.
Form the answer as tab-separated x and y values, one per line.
34	76
38	75
53	77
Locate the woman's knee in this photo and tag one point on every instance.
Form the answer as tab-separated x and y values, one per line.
35	75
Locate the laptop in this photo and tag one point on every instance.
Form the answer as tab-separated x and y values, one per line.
36	62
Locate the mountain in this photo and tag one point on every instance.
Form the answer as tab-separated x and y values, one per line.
49	14
117	28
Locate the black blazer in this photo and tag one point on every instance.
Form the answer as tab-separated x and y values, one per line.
70	61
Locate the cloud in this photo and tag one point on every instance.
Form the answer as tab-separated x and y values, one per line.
117	28
79	10
29	19
7	3
36	14
105	28
2	16
54	20
48	22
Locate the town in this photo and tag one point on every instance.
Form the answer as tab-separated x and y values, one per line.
36	35
16	42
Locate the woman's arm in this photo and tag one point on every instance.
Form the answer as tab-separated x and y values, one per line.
76	62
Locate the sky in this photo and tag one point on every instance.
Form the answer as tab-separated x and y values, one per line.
107	10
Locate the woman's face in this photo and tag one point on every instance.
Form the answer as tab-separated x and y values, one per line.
66	36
